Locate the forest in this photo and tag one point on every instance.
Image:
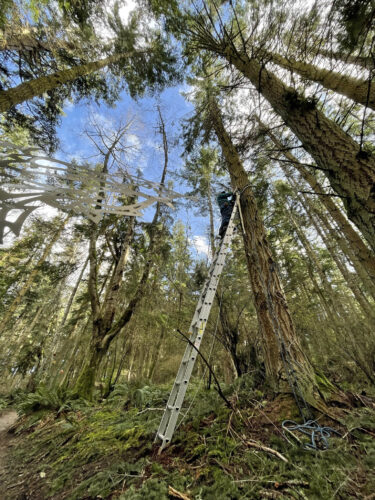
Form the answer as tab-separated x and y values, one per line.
187	249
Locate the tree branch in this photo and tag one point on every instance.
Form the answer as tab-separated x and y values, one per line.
220	392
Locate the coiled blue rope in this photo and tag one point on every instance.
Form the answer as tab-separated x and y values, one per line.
318	434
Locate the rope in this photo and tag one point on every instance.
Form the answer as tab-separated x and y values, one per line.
319	435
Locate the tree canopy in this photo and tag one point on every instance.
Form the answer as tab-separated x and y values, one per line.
267	103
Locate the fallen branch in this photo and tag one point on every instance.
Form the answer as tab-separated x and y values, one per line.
258	446
176	494
218	387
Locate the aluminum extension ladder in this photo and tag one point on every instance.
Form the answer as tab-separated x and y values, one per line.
196	331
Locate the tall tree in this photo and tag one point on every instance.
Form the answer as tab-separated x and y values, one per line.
359	91
137	57
107	320
350	171
280	342
362	255
363	61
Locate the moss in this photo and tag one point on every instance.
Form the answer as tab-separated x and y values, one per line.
325	386
153	489
107	452
223	487
85	383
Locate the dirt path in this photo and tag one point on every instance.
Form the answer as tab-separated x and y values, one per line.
7	419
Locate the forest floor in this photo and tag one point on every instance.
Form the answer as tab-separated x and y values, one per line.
73	450
7	419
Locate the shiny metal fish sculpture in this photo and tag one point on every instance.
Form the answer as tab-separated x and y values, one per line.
30	178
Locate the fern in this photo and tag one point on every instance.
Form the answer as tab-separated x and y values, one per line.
48	399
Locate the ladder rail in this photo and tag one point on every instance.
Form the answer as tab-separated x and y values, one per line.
196	331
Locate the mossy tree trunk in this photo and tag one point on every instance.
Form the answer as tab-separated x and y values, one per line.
279	338
357	90
363	61
26	39
351	172
103	316
38	86
363	258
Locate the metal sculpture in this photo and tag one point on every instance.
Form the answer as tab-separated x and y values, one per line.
30	178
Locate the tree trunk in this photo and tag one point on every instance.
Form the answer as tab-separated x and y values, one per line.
111	297
26	286
156	353
365	276
38	86
275	323
105	327
73	294
350	171
26	39
103	317
366	307
361	252
334	308
86	380
357	90
363	61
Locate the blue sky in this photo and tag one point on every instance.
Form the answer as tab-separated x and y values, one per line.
150	157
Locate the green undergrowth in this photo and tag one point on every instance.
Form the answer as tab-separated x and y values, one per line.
83	451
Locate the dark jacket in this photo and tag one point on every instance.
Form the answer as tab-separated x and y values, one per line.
223	201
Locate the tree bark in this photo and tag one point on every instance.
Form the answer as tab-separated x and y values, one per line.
156	353
363	61
334	308
73	294
26	39
105	326
353	88
275	323
363	256
366	307
351	172
26	286
38	86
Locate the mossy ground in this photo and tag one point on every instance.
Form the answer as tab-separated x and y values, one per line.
107	451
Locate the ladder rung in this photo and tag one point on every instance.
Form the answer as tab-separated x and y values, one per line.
162	437
171	407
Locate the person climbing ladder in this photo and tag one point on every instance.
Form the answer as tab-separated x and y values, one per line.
226	206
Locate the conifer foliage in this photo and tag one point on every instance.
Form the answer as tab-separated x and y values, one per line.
273	101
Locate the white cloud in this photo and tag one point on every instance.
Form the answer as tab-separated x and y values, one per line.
126	10
133	140
201	244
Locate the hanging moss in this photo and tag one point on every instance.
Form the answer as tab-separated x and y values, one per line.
296	102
